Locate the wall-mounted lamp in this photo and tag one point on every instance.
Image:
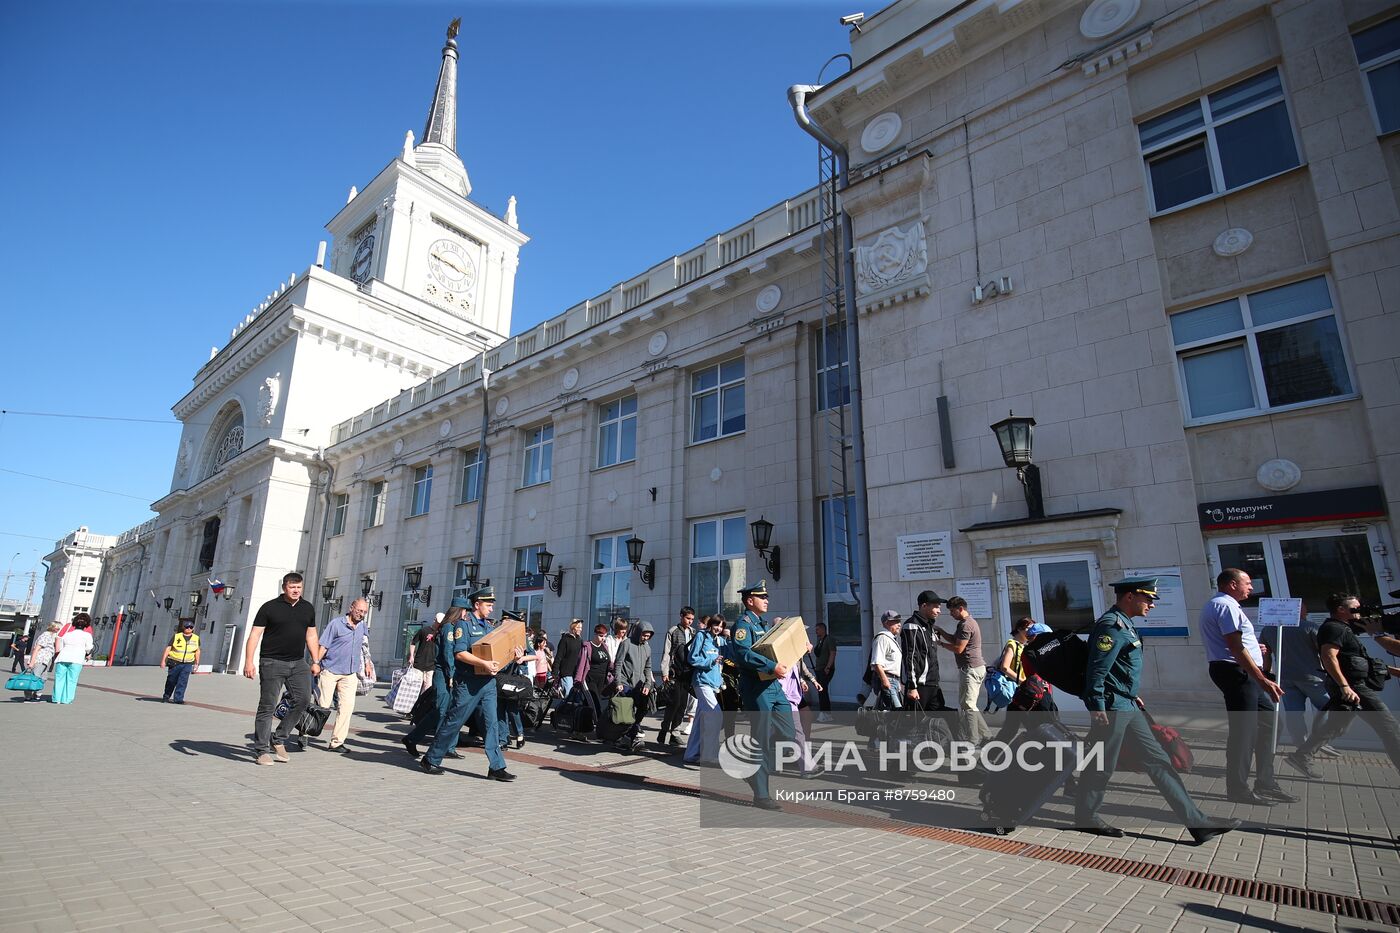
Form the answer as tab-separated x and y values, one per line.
328	595
634	557
376	600
168	603
472	568
1015	438
227	593
413	579
196	599
543	561
763	537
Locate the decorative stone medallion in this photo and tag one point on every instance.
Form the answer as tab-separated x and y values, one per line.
1232	242
359	463
1105	17
445	429
767	298
570	379
1279	475
715	474
502	406
398	446
657	344
895	257
881	132
612	495
532	514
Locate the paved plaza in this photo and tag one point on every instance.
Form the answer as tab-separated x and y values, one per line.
127	813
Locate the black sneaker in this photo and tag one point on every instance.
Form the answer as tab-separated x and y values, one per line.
430	768
767	803
1204	834
411	748
500	774
1275	794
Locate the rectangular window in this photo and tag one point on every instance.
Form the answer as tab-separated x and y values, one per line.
539	455
611	584
1219	142
527	567
833	373
1262	351
374	507
617	431
717	551
422	490
531	607
339	508
717	401
87	584
1378	54
461	583
471	476
839	571
409	608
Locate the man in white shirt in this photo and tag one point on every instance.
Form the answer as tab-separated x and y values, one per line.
886	659
1237	668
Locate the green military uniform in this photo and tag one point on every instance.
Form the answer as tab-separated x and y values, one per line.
1111	684
770	719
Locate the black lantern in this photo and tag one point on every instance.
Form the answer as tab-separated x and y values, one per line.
471	566
328	590
634	557
413	582
168	602
1015	437
195	599
374	599
543	561
762	537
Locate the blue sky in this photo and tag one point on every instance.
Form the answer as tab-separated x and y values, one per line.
170	163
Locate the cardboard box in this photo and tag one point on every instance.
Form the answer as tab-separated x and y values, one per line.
785	643
500	643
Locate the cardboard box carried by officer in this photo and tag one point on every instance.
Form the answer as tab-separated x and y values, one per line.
785	643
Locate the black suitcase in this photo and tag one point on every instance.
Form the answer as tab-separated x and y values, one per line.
1012	795
534	710
575	714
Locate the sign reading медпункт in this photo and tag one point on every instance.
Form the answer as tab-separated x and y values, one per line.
1331	505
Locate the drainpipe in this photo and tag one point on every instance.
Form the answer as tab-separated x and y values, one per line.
325	522
865	596
485	463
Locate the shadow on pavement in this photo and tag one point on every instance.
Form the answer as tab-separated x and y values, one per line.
1244	920
217	749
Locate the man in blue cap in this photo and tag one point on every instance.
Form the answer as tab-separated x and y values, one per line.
1111	681
771	714
473	686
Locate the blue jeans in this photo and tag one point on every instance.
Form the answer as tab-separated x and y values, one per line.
704	732
470	692
1295	695
509	722
177	677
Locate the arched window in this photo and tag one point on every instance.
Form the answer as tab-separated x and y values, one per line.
228	441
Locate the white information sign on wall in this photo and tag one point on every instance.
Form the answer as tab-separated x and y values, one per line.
925	557
1278	610
978	593
1169	614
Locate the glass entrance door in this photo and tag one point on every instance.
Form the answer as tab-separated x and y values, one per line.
1062	591
1307	564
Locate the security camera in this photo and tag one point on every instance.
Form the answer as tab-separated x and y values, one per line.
853	19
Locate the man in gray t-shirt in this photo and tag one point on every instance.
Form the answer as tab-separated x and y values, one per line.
966	644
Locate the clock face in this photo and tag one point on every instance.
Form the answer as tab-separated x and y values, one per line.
451	266
364	254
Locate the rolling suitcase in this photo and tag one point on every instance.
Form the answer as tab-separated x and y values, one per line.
575	714
1012	795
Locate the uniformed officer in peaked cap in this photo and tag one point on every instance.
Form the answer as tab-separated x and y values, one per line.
473	686
770	719
1111	681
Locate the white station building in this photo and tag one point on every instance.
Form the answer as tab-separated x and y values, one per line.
1167	233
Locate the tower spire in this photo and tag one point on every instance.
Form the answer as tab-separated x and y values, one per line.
436	153
442	116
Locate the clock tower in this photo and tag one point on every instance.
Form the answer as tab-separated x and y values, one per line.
414	233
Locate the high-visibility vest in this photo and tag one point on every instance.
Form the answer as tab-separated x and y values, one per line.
182	649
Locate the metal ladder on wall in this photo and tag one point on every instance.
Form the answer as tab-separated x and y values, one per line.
835	436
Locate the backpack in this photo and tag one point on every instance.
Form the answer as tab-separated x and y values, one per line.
1000	688
680	655
1061	658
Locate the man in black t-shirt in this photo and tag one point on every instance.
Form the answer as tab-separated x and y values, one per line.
1355	685
285	627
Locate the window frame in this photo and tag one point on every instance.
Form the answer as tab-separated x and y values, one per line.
619	421
422	491
471	467
719	390
619	566
740	557
1248	337
823	372
1374	64
376	503
1206	131
545	445
460	588
340	511
826	528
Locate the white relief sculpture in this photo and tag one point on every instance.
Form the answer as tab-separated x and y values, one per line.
767	299
881	132
896	256
1279	475
268	394
1105	17
186	452
1232	242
